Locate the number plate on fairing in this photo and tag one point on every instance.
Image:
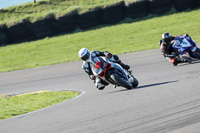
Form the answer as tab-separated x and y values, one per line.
186	43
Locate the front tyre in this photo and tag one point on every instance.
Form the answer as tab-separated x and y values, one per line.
135	83
120	81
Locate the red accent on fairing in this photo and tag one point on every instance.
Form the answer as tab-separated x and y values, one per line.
103	73
108	66
98	65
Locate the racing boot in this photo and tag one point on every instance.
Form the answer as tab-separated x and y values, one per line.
127	67
99	84
117	60
175	62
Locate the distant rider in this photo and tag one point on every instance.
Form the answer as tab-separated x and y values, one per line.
166	47
85	55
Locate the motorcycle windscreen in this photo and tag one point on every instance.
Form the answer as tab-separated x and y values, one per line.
94	60
177	43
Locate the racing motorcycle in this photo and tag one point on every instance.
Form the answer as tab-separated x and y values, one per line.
185	49
112	73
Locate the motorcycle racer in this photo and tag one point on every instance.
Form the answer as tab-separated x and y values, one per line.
166	47
85	55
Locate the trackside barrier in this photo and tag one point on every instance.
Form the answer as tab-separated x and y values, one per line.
3	35
181	5
159	6
113	13
19	32
26	31
196	3
43	28
138	9
90	19
67	23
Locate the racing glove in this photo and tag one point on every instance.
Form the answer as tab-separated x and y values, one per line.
107	54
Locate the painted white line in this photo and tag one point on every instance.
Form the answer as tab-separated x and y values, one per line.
82	92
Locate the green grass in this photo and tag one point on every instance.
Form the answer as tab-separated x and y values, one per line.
120	38
41	9
17	105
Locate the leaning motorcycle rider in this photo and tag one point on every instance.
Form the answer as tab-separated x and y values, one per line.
85	55
166	47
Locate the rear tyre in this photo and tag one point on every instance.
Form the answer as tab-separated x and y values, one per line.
120	81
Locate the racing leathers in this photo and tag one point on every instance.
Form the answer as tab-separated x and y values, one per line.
99	83
167	50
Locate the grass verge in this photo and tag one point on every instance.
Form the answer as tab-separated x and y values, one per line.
17	105
128	36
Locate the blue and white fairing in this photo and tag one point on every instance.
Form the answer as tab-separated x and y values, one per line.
185	45
182	44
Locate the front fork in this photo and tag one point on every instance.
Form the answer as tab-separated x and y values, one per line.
129	76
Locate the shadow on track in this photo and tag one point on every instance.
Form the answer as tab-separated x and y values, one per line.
145	86
184	64
156	84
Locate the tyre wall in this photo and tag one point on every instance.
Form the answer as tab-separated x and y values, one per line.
181	5
43	28
89	19
159	6
113	13
136	10
196	3
67	23
20	32
3	35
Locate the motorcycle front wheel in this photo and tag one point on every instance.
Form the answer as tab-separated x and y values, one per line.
135	83
120	81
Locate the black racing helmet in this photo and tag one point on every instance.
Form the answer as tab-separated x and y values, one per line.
166	38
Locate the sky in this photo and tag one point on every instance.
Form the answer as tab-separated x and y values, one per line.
8	3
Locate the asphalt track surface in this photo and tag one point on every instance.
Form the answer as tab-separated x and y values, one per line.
166	101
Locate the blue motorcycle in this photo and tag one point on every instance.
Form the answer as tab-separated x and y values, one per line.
185	49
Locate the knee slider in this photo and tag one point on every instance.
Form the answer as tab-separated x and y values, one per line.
99	84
